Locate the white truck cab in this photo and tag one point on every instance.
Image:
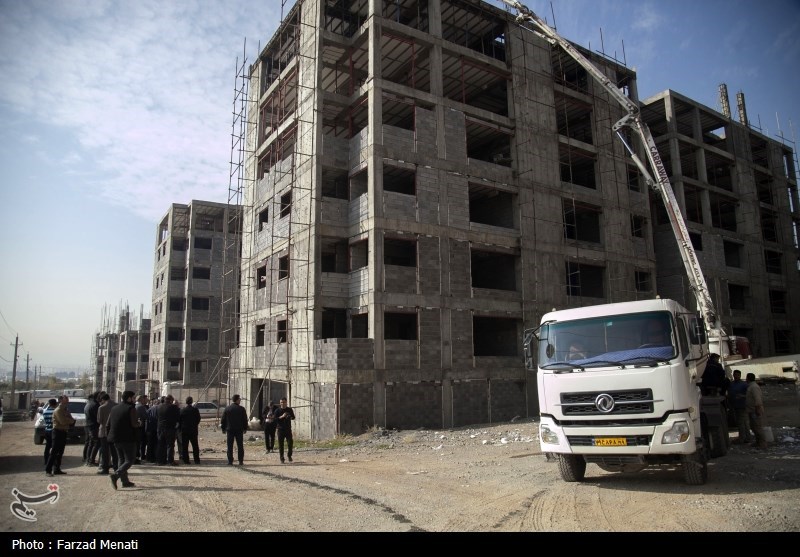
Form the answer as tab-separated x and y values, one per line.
618	387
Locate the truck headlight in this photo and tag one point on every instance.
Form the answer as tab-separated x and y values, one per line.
678	433
548	436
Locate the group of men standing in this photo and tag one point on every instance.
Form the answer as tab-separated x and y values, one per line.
165	425
278	419
119	435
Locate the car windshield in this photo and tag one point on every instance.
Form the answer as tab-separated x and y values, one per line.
639	339
76	407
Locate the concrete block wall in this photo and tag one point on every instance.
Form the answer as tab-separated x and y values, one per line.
323	410
400	206
400	279
428	195
461	341
430	339
455	136
399	143
355	408
508	400
470	402
414	405
429	268
460	286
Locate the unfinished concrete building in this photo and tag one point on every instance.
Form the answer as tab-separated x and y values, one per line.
121	352
737	190
192	244
420	181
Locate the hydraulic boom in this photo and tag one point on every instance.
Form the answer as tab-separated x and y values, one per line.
660	184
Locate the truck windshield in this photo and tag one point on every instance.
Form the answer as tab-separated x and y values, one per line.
638	339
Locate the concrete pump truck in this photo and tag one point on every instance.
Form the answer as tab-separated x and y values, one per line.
618	384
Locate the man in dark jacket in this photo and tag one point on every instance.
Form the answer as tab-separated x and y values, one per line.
151	430
284	416
189	421
122	431
168	414
141	413
714	381
234	423
91	444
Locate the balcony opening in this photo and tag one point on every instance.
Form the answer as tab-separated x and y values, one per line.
402	253
581	221
333	255
286	204
334	323
737	296
495	336
359	254
733	254
643	281
777	301
261	277
202	243
260	334
577	167
723	212
488	143
399	326
283	267
263	218
359	326
334	183
282	332
399	180
772	262
488	205
585	280
201	272
493	270
358	184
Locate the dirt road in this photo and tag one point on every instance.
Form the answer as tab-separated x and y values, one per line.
479	479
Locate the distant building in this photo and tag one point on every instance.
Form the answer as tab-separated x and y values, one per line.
191	246
121	354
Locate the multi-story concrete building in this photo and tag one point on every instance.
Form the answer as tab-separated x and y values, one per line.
422	180
192	244
737	190
120	353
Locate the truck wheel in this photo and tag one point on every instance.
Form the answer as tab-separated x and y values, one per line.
719	439
695	467
572	468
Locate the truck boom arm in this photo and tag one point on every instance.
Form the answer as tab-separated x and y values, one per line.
661	185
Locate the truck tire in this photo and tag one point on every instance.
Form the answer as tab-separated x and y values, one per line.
719	440
695	467
572	468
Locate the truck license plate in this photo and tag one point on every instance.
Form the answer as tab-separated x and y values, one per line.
610	442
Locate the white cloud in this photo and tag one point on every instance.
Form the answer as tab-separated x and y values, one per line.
146	88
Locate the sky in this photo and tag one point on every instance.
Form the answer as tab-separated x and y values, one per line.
112	110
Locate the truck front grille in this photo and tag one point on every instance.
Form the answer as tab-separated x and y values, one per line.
630	440
638	401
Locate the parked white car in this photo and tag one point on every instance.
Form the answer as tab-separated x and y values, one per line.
76	432
209	409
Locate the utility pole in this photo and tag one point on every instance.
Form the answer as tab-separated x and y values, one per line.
14	405
27	371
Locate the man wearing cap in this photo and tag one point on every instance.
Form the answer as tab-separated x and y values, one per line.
234	424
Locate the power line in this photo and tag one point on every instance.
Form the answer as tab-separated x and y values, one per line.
6	322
